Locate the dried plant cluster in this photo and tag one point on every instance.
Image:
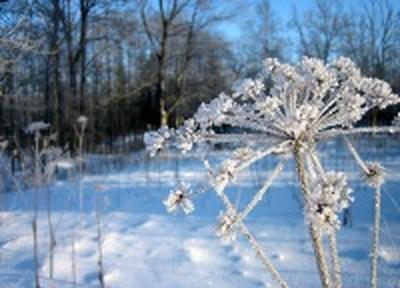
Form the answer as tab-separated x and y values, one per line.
284	112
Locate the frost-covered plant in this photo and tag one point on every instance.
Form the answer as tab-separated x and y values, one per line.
285	112
331	196
41	167
180	198
396	120
80	130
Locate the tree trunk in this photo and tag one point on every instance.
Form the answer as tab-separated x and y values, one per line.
84	10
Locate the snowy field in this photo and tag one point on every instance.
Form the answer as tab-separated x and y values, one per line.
143	246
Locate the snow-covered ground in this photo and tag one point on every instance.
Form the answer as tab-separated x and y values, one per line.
143	246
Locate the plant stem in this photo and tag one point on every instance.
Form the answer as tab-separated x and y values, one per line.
314	233
100	273
261	255
337	269
253	242
375	240
52	241
36	182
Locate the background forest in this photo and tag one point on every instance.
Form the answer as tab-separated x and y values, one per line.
131	66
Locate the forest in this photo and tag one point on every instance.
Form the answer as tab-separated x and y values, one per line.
131	66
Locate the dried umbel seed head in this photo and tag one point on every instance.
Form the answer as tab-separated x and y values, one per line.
330	197
156	140
396	120
180	198
309	100
226	228
375	175
36	127
82	121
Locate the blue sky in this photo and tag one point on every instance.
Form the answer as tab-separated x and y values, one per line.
282	9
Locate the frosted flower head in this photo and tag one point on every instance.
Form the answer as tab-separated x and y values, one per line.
226	173
52	157
187	136
375	176
215	112
304	101
156	140
396	120
329	198
248	89
226	228
179	198
36	127
82	121
3	144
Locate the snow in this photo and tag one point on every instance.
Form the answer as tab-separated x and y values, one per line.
144	246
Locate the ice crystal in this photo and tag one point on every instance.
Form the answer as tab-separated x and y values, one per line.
330	197
179	198
226	228
375	175
156	140
249	89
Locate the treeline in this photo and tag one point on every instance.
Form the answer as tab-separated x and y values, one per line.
134	65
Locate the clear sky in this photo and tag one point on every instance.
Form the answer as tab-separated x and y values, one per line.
283	11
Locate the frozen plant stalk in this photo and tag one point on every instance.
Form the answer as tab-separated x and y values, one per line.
35	129
283	113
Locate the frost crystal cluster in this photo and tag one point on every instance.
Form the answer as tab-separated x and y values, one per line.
285	112
179	198
331	196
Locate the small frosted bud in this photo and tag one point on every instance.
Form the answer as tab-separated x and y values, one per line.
180	198
226	228
35	127
375	176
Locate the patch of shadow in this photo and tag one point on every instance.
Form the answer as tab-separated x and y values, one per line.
355	254
394	265
25	264
91	278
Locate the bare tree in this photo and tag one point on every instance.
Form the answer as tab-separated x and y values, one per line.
168	24
319	29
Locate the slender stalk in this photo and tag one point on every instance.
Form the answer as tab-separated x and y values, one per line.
36	181
356	156
253	242
337	269
261	255
100	274
80	151
52	241
375	240
35	250
314	232
377	214
333	250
